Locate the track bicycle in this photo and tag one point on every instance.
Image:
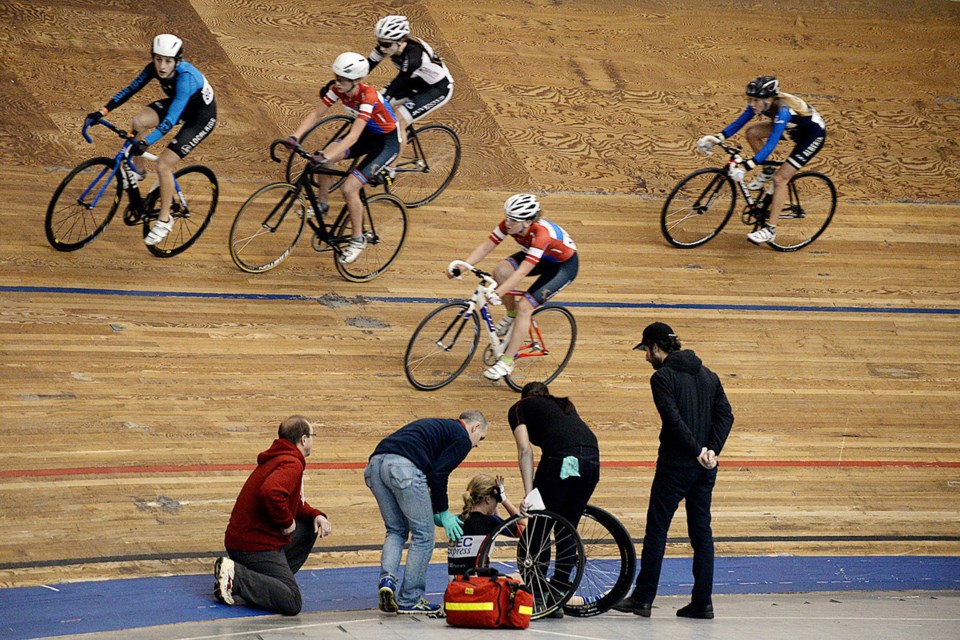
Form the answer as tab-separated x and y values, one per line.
88	197
269	225
702	203
594	575
426	166
443	344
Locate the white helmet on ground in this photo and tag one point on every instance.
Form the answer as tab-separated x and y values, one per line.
169	45
522	207
351	65
392	28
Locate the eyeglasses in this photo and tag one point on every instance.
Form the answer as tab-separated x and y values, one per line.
310	435
383	44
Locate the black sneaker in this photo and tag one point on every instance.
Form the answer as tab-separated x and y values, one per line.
701	612
630	605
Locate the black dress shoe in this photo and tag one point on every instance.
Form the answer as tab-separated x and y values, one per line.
701	612
629	605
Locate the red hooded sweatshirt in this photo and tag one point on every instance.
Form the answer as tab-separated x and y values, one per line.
270	499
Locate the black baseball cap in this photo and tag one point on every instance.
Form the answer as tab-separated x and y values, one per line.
657	332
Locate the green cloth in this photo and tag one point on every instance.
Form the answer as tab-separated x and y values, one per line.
570	468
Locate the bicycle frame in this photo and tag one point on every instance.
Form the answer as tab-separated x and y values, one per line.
118	160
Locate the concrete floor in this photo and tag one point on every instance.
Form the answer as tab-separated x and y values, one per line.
874	615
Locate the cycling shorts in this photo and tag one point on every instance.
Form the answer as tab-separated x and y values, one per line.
424	102
197	125
805	148
378	150
552	278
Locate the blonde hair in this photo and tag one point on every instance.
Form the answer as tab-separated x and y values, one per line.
799	107
479	487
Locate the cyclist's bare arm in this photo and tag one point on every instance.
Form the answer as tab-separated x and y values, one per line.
478	254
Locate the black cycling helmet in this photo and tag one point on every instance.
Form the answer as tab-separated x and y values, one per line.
763	87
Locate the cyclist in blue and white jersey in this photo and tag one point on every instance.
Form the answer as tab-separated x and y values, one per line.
787	114
189	101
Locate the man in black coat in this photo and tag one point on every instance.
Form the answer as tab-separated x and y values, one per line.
696	422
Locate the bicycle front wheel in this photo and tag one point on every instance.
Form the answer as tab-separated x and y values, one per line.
384	229
609	564
547	349
812	202
427	165
316	139
267	227
78	212
194	203
546	554
441	347
697	208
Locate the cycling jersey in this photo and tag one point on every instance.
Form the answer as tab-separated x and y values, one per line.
801	129
544	240
188	88
420	69
367	105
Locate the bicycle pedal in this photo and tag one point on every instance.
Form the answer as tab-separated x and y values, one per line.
132	217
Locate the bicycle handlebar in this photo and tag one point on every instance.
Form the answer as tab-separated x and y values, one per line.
457	266
314	167
128	137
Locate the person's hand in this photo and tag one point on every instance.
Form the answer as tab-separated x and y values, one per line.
451	525
95	116
291	143
524	508
319	158
705	144
736	171
138	147
293	527
501	490
452	273
322	526
707	458
494	299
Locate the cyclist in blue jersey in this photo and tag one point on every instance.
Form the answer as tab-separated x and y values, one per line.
786	114
189	101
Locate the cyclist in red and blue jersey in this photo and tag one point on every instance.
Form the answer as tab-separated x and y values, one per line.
787	114
548	252
373	135
189	101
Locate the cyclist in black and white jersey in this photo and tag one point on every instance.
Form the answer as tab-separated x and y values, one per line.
423	84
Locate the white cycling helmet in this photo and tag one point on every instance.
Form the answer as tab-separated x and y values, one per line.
522	207
169	45
351	65
392	28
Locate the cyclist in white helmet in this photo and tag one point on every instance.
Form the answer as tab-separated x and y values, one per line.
423	84
547	252
374	135
189	101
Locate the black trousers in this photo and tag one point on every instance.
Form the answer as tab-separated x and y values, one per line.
693	485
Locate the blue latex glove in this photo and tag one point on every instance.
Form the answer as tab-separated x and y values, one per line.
451	525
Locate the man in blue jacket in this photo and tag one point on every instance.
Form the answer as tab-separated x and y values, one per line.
696	421
407	474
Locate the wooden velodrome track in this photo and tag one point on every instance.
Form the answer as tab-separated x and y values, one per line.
130	419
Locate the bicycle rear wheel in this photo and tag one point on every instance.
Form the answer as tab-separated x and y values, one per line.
384	229
193	206
547	555
441	347
316	139
426	166
267	227
77	213
812	202
610	561
697	208
547	349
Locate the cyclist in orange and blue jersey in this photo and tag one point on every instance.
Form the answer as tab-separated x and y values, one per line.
548	252
787	114
373	135
189	101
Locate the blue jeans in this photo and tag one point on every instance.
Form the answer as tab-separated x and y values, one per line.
693	485
404	500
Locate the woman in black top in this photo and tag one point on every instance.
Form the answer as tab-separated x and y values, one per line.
569	468
479	516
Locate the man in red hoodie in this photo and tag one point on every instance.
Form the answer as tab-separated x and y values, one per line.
272	529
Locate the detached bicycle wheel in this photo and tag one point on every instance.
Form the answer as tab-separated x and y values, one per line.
316	139
812	202
194	204
697	208
547	556
426	165
610	561
384	229
441	347
267	227
547	348
78	212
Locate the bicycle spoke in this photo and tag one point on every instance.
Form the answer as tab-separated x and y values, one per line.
441	347
193	206
267	227
809	209
697	208
83	204
547	349
427	165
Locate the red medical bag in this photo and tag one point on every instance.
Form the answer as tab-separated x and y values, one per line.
482	598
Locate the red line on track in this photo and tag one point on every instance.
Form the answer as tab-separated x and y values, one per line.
317	466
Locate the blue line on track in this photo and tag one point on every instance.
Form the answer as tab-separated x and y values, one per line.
137	293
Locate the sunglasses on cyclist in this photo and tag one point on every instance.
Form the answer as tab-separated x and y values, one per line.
383	44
